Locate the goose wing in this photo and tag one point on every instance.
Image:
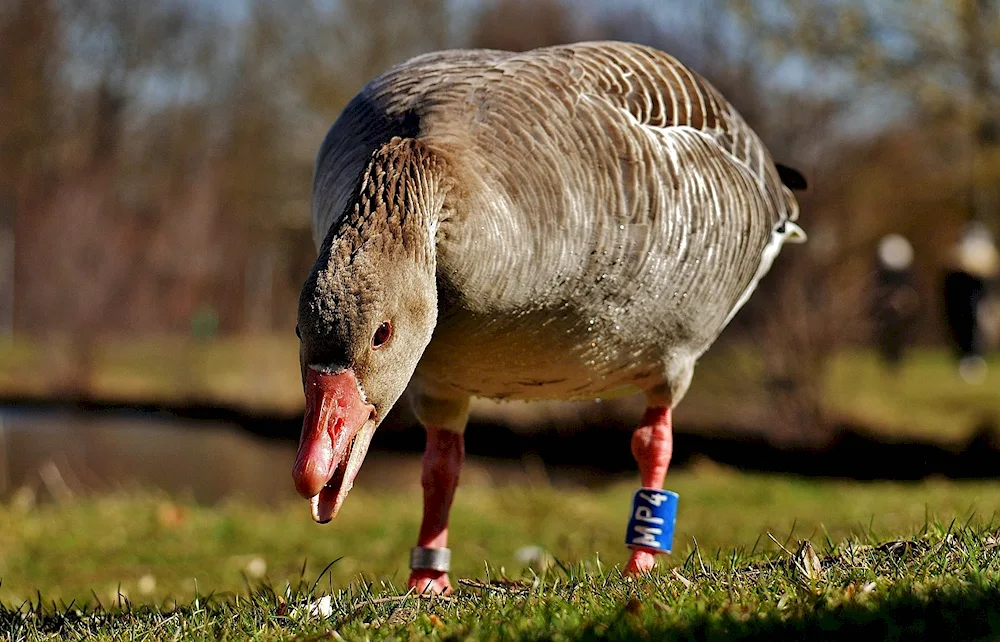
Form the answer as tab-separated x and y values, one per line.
611	176
713	198
664	97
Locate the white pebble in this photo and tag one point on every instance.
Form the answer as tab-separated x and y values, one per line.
147	584
323	607
533	556
256	567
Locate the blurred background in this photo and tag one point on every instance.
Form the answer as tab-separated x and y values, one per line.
155	166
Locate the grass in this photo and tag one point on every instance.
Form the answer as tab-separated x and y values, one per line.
924	399
937	585
890	561
252	372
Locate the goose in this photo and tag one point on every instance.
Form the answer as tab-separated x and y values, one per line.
570	222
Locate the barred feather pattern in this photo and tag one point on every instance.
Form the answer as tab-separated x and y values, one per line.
601	215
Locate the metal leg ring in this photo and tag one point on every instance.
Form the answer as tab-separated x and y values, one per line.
433	559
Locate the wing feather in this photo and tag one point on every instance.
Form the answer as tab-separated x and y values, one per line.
637	78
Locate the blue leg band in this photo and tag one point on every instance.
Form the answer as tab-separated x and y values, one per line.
651	523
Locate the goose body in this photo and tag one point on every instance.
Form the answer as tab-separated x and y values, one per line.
610	212
582	219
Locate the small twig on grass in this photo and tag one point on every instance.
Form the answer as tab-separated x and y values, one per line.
503	586
361	604
779	544
397	598
683	580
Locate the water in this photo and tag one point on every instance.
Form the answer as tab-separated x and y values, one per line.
61	454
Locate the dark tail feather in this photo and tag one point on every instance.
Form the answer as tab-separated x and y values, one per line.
792	179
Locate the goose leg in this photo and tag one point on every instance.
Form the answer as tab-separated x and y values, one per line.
442	463
652	446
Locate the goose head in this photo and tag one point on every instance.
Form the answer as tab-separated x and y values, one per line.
366	313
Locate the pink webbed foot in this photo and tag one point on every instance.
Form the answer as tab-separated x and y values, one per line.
640	562
428	582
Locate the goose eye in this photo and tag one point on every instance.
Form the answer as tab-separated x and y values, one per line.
382	335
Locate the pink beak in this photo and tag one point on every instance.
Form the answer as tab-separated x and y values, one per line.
336	432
